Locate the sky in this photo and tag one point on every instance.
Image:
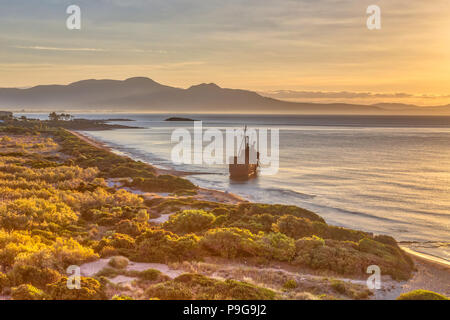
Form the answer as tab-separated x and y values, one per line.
301	50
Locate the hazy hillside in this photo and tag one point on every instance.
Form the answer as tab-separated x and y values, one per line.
144	94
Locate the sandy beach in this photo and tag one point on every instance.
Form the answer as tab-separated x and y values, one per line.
431	275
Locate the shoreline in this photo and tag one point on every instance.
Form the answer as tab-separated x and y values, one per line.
236	198
203	193
426	257
104	146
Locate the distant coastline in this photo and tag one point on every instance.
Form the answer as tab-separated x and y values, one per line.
146	95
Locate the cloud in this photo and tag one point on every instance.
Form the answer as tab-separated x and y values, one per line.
46	48
292	94
57	49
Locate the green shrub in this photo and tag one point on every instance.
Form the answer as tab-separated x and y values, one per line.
230	242
346	257
200	287
254	223
169	291
109	272
118	262
392	260
300	227
162	183
117	241
142	215
239	290
339	286
208	288
121	297
290	284
185	193
157	245
27	292
189	221
338	256
128	227
4	281
276	246
90	289
24	214
278	210
294	227
421	295
220	211
38	277
150	274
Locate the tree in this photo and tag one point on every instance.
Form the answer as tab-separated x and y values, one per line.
54	116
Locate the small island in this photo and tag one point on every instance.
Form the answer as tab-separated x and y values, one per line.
179	119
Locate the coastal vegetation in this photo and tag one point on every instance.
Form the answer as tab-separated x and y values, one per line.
421	295
59	209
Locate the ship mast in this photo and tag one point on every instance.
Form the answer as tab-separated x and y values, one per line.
245	142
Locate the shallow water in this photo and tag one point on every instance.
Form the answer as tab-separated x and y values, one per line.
382	174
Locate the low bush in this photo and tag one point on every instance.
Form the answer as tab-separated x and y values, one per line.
121	297
169	290
156	245
421	295
150	275
189	221
27	292
290	284
199	287
254	223
230	242
118	262
131	228
276	246
117	241
346	257
36	276
4	281
162	183
300	227
277	210
90	289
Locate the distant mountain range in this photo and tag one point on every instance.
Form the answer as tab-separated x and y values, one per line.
145	95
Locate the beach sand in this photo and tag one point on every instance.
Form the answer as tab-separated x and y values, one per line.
431	275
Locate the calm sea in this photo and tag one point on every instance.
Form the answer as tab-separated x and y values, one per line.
382	174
